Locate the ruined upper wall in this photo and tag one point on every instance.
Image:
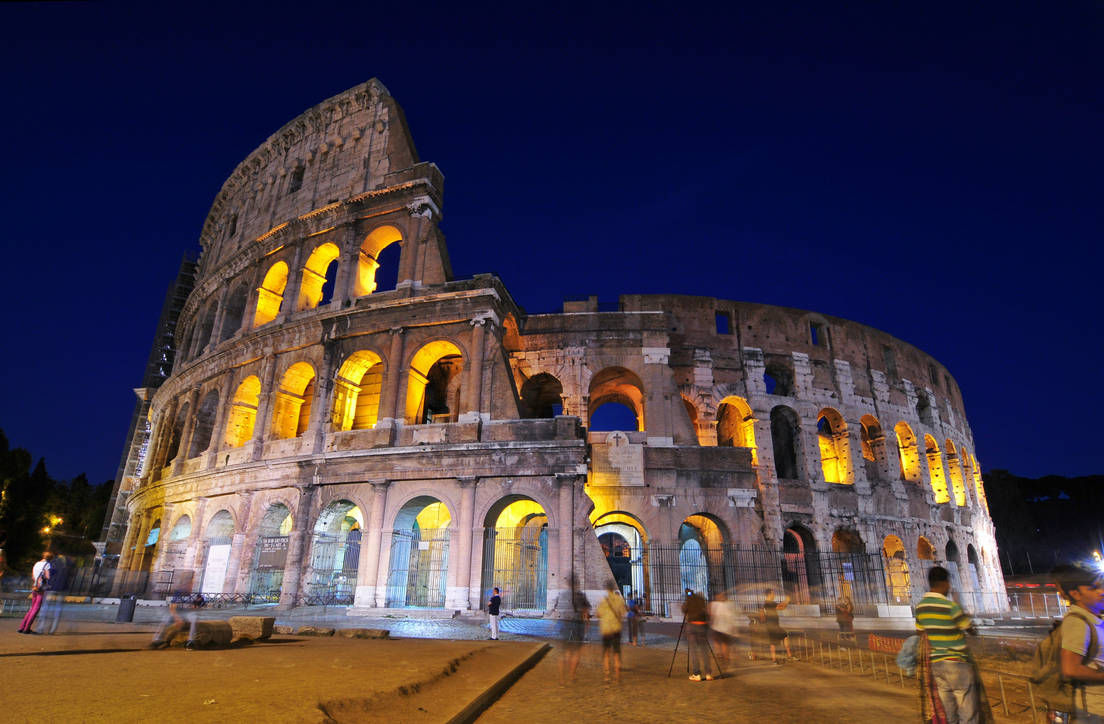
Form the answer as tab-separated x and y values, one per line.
342	147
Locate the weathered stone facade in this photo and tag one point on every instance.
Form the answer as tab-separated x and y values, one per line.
328	434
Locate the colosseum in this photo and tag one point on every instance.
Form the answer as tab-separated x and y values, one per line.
347	423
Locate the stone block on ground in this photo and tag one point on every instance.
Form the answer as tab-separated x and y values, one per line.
254	628
283	630
314	631
208	633
364	633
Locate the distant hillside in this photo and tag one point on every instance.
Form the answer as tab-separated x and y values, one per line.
1043	520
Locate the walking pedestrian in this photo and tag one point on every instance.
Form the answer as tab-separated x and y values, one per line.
40	576
611	611
777	636
574	632
695	613
54	599
493	606
183	611
723	623
633	615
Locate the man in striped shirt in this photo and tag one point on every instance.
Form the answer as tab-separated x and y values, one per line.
946	625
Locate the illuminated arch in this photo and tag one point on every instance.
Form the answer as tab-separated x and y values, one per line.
319	271
619	385
419	560
736	426
357	391
835	447
270	295
270	554
955	468
181	529
335	553
702	538
907	452
924	549
936	474
515	551
369	262
979	485
218	538
897	570
243	412
873	446
433	384
293	401
541	396
801	574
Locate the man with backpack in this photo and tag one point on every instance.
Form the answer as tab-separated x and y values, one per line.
1076	692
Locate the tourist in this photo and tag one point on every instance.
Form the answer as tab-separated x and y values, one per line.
40	577
54	598
493	606
183	611
776	635
1085	593
947	680
845	618
723	623
695	617
574	632
635	610
610	612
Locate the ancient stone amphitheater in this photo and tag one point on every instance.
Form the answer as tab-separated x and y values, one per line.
346	423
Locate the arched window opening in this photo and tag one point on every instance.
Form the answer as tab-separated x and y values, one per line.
778	376
924	549
433	386
218	540
923	409
935	470
419	559
335	554
847	541
907	452
897	571
293	401
270	555
736	426
541	397
617	384
873	446
235	311
800	571
270	295
295	180
319	271
243	412
951	552
181	530
851	576
784	441
957	486
975	573
835	453
612	416
357	392
204	424
979	485
177	433
371	267
205	330
515	553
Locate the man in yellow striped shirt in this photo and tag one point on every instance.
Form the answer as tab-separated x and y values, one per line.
946	625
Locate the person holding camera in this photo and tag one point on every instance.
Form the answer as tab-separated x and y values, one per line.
695	611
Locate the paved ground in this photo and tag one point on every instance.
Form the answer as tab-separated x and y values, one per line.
102	672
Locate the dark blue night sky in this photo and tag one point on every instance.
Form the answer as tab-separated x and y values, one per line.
931	170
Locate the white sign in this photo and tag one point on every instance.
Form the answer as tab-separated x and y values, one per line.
618	461
214	573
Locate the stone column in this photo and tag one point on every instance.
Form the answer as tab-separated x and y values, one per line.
565	564
347	269
238	546
392	381
290	303
264	406
192	555
218	434
220	313
298	541
460	596
370	552
323	388
470	408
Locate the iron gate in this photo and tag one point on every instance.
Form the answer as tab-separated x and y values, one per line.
517	562
333	571
419	564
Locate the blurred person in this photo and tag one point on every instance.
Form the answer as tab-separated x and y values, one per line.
723	623
610	613
40	577
183	611
947	681
845	617
574	632
1078	660
54	598
695	613
776	635
635	609
494	604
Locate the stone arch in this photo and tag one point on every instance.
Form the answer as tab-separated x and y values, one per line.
270	295
736	425
515	552
624	543
692	416
873	446
335	554
936	474
433	384
234	313
204	427
418	566
835	447
243	412
357	388
218	538
785	441
702	541
270	554
924	549
177	434
950	552
370	259
979	486
206	328
319	276
896	569
800	574
617	385
845	540
181	529
541	397
907	452
955	468
293	401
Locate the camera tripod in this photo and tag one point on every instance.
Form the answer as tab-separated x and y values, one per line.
674	653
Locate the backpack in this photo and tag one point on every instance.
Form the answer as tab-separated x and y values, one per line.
907	656
1046	668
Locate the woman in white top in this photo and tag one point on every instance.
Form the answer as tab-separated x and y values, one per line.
722	621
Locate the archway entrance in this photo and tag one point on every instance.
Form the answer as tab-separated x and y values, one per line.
220	536
897	571
335	555
267	578
515	554
800	572
419	555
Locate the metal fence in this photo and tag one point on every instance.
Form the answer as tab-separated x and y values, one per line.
419	563
516	561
